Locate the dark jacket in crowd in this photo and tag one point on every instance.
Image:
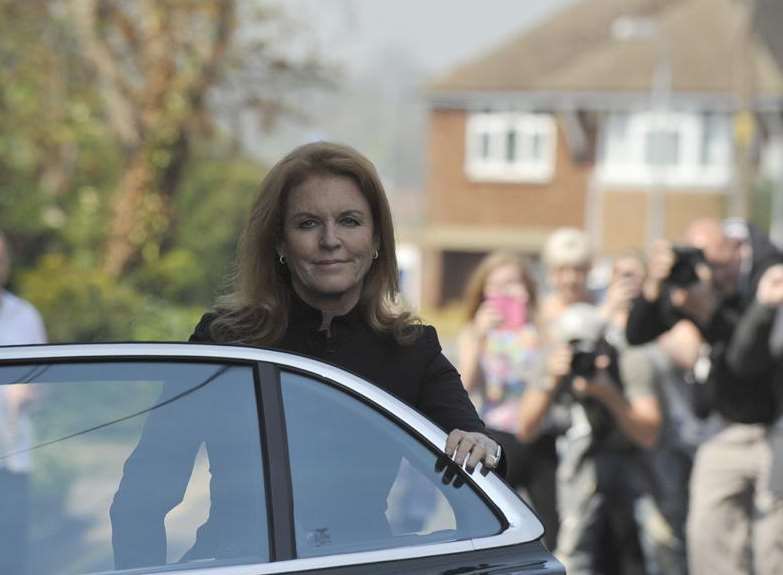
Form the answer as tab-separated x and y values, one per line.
724	391
755	354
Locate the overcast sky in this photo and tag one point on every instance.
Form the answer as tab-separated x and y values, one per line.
387	51
437	33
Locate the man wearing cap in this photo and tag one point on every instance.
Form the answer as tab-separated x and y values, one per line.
614	410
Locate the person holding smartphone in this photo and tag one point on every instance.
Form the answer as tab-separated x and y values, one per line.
499	351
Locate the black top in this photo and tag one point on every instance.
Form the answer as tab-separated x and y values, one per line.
649	319
755	354
418	374
726	391
754	357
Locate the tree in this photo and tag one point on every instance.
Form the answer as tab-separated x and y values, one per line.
122	188
157	63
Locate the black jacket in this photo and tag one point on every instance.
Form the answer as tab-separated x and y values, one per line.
725	391
756	360
647	320
756	357
418	374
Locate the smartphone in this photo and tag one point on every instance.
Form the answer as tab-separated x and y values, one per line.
512	309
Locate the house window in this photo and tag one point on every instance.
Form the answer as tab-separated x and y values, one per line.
674	149
662	148
510	147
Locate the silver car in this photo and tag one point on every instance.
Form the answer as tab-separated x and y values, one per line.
221	460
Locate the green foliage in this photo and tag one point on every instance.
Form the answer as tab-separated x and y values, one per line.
211	210
84	304
65	158
79	304
164	297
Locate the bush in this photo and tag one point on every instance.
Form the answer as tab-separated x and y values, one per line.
83	304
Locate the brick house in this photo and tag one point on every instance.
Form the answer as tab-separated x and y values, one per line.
627	118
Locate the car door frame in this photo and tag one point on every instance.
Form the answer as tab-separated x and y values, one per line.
520	524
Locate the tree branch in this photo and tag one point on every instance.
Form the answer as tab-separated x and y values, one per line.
116	92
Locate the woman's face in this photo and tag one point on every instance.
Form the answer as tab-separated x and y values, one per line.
505	280
570	282
328	240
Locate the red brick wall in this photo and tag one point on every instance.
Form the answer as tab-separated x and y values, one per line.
454	200
624	215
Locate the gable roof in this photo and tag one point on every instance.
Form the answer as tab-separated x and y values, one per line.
703	43
768	23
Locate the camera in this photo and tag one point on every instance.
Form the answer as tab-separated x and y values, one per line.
583	356
683	272
585	352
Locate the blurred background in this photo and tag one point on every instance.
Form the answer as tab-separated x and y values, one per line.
133	135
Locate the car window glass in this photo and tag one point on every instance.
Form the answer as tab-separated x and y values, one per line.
129	464
362	482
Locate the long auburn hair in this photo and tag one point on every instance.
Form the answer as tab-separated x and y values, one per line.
474	291
255	310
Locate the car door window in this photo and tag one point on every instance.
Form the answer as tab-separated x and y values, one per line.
124	464
362	482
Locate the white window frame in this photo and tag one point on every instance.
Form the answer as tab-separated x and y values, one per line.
497	167
687	171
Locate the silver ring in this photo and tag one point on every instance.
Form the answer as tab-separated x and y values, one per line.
491	461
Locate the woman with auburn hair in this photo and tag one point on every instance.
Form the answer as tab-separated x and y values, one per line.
499	352
316	274
256	311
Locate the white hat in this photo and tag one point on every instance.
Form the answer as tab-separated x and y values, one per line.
567	247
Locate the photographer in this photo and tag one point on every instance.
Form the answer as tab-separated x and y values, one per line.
708	280
613	407
711	286
743	466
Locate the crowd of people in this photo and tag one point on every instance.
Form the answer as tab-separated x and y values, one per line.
652	406
642	419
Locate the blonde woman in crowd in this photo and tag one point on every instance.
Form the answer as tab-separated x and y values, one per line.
568	258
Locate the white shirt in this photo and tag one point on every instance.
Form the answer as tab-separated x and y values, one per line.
20	323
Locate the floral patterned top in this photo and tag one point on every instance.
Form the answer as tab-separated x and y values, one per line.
510	360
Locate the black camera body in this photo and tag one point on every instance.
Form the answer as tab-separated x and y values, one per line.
583	356
683	272
583	360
